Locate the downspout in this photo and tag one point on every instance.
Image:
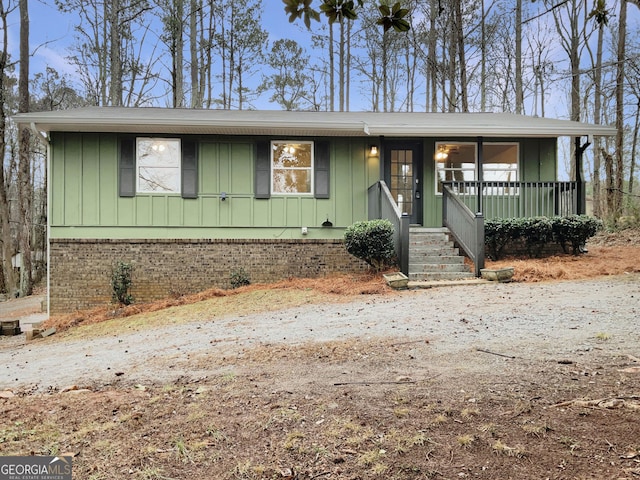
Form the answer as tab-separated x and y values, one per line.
479	220
41	136
581	207
479	170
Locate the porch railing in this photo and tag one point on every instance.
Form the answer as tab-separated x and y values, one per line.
518	199
466	227
382	206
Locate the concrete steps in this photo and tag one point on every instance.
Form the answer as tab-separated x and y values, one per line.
432	256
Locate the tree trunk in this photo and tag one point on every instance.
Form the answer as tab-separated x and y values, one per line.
385	77
432	64
634	149
519	92
332	84
196	97
462	58
206	73
25	190
347	83
452	62
619	158
115	56
341	65
5	211
597	114
609	182
177	33
483	61
574	59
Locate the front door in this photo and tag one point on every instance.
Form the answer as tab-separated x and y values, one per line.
403	162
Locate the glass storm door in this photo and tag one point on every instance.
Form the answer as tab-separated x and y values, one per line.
405	179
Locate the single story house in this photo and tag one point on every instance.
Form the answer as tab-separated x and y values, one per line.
191	196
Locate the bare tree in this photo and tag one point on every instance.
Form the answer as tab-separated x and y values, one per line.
633	75
111	36
173	19
6	171
518	59
616	193
196	93
597	113
240	41
574	30
25	185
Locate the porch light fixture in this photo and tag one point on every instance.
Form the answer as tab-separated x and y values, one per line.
441	154
373	150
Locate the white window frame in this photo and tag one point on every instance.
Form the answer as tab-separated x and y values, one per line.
517	164
437	148
273	146
501	190
140	188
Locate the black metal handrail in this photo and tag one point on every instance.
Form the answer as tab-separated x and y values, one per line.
382	205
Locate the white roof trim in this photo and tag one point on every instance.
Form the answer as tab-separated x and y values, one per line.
308	124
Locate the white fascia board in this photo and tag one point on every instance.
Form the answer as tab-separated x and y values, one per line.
254	122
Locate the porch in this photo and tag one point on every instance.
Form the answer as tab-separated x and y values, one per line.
466	205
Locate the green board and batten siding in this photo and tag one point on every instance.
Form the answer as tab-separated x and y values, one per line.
85	201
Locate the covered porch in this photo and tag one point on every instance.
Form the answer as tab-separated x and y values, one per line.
468	199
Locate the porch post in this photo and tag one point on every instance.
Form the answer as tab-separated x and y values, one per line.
581	201
479	161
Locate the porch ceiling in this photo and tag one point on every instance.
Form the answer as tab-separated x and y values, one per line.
271	122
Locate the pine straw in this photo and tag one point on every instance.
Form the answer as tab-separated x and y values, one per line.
599	261
342	285
609	254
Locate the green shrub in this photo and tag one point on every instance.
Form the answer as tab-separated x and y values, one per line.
537	232
371	241
498	233
575	230
121	275
239	278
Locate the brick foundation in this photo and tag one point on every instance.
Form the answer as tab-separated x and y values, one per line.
80	269
518	248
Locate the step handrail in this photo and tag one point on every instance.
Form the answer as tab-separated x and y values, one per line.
382	206
466	227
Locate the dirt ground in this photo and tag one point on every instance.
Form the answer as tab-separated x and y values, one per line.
537	379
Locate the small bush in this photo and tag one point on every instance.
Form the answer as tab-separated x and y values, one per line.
537	232
121	276
239	278
371	241
498	233
575	231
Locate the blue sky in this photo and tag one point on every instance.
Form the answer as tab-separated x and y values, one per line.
53	31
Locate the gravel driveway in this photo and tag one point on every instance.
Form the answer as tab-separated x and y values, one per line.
552	320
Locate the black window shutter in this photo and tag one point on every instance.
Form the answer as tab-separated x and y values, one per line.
322	162
127	168
189	169
263	170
